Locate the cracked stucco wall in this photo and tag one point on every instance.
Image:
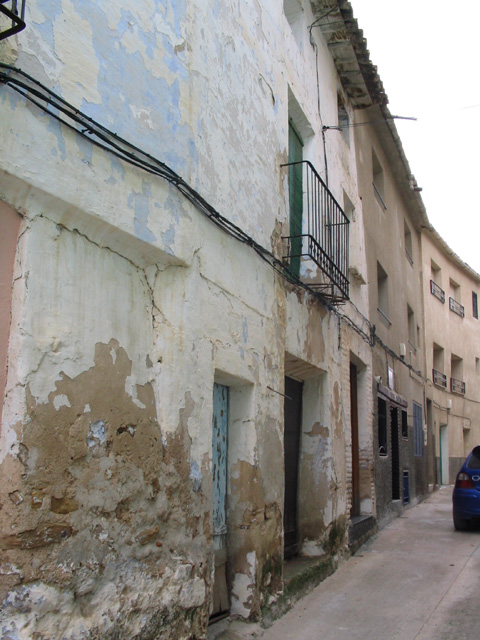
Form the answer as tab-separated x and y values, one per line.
128	305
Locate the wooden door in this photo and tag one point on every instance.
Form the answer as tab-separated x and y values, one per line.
219	498
355	509
395	454
293	423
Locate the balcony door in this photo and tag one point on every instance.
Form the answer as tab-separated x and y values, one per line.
295	188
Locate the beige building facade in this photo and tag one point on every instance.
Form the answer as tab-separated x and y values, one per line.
452	346
394	217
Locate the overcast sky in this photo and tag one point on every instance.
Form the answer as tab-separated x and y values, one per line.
428	57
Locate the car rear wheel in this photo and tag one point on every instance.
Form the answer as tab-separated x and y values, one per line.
460	524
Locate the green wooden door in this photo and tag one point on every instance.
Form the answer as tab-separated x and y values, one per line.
295	188
220	597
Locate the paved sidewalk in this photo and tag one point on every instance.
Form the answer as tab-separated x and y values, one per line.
417	579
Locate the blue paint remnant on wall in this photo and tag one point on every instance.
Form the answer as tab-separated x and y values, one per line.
140	203
51	10
168	238
195	475
86	149
117	167
14	98
56	128
245	329
171	140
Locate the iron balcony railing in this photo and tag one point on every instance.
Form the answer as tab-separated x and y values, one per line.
457	386
440	379
12	17
324	236
436	291
457	308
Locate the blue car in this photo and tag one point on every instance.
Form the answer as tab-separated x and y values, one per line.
466	494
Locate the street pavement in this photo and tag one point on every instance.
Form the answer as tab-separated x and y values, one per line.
416	579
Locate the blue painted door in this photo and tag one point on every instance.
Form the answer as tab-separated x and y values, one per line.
219	496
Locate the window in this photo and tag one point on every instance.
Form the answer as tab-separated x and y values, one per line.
436	273
477	365
408	243
382	289
439	377
404	424
418	430
378	180
455	298
474	305
293	11
382	427
411	327
456	371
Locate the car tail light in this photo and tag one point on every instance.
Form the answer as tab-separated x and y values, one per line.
464	481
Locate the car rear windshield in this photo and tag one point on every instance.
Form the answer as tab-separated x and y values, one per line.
474	460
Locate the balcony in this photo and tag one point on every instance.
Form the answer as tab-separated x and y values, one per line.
322	245
457	308
436	291
457	386
440	379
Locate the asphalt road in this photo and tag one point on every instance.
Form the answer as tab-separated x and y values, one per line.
417	579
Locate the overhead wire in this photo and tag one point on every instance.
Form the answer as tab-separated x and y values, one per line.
45	99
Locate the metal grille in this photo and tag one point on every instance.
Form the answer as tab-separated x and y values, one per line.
457	386
437	291
440	379
324	237
12	17
457	308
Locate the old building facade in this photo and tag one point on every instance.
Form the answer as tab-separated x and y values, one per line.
168	318
394	217
202	371
451	290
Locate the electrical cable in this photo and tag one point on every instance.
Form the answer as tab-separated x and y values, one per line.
100	136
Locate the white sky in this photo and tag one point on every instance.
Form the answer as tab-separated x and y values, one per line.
428	57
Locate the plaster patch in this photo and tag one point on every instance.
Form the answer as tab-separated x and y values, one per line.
77	54
61	401
243	588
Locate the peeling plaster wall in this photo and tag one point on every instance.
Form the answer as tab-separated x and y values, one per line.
10	225
128	304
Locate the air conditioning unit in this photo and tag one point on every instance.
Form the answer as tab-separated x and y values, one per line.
403	350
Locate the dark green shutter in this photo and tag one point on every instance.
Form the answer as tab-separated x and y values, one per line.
295	187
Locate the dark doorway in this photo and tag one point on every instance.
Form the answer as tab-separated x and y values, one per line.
293	423
395	454
355	509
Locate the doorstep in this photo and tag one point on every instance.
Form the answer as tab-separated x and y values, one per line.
359	530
